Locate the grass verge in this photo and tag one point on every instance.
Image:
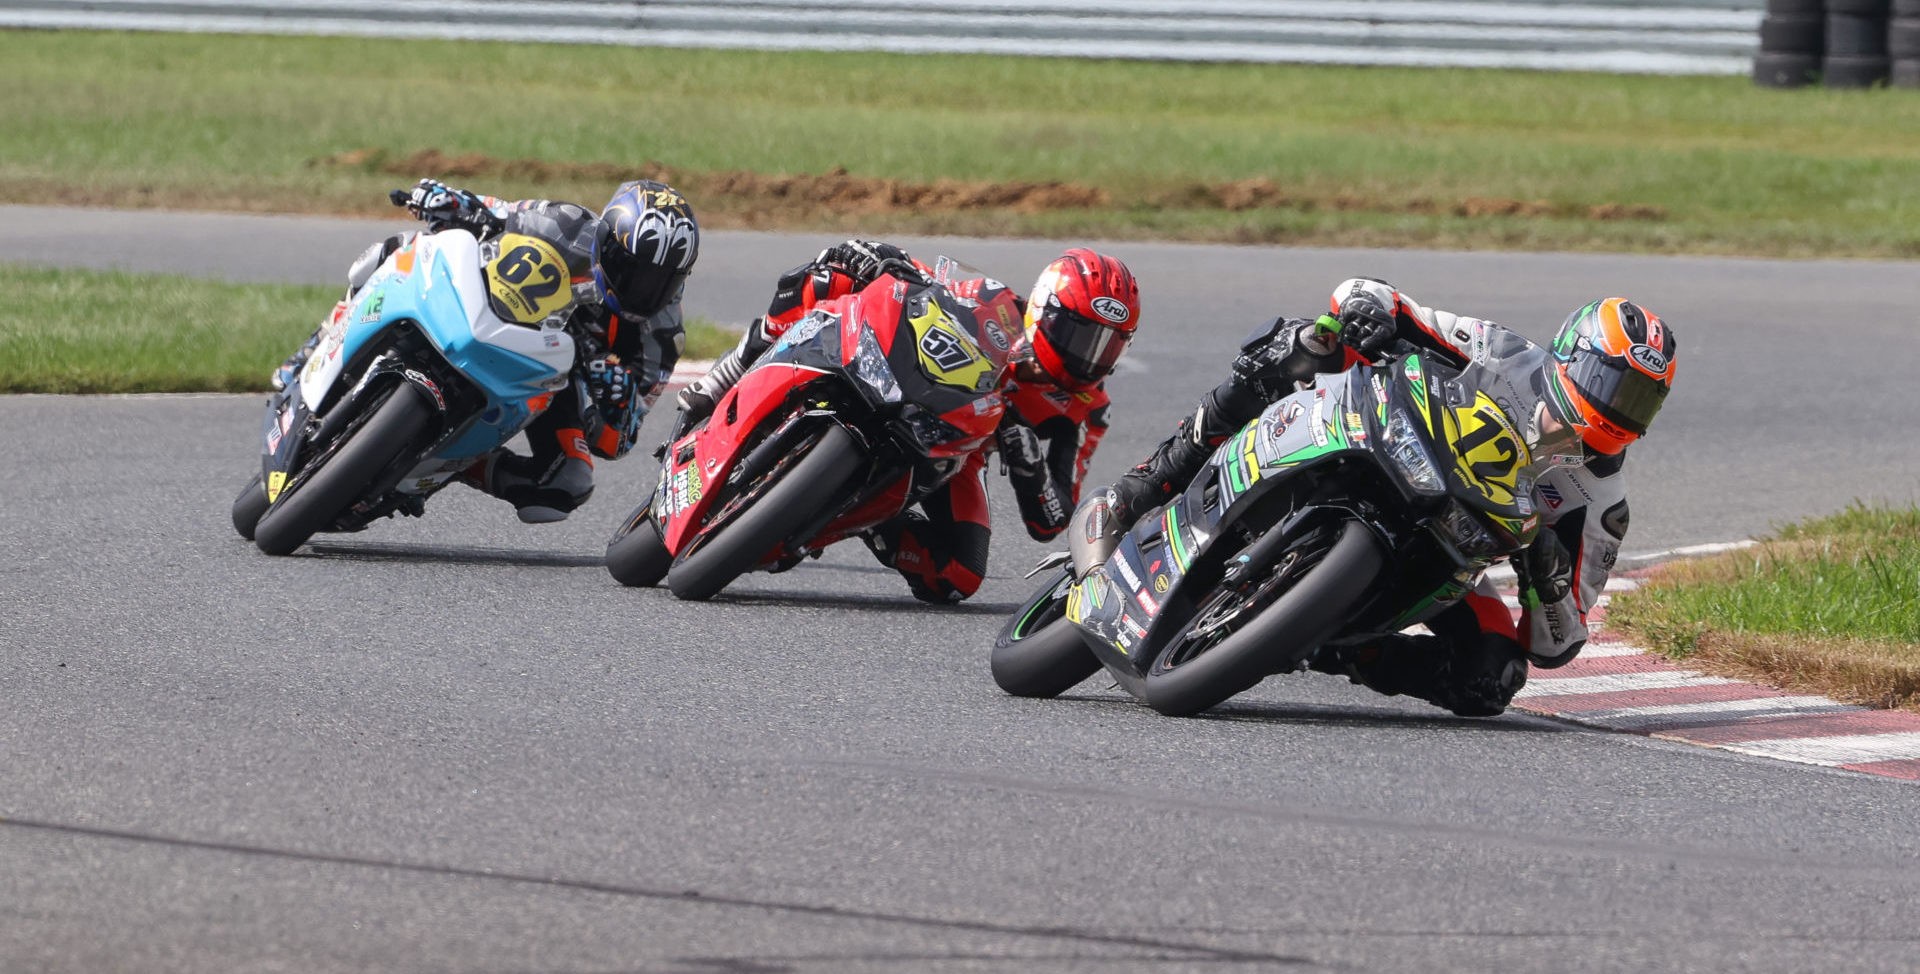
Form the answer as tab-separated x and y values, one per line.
64	331
1248	153
1829	606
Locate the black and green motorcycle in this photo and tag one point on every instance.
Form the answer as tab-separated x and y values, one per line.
1363	504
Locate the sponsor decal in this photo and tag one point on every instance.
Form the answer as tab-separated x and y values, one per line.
420	379
1413	368
1609	554
528	278
1112	309
1551	495
1147	602
1160	583
371	311
1317	424
947	354
1131	627
1097	523
1649	359
1126	572
276	481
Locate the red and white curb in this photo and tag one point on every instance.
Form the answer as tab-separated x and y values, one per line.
1618	686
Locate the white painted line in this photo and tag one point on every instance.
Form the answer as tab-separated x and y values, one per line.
1614	683
1629	718
1591	651
1831	751
1622	584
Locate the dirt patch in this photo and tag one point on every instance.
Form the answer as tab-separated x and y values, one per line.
840	191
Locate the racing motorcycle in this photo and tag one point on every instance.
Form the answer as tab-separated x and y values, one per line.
850	417
450	349
1361	505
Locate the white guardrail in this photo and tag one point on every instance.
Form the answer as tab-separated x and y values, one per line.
1645	37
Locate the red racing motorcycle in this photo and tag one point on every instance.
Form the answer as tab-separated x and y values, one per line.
862	408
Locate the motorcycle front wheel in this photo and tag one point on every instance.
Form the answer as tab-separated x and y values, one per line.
1040	653
636	554
248	507
787	501
372	442
1290	615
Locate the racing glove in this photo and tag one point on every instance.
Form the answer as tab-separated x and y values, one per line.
1366	326
610	388
1544	571
442	206
860	259
1041	505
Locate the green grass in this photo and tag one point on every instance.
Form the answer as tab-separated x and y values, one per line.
236	122
67	331
1832	604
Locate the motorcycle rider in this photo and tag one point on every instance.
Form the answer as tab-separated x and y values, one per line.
627	268
1079	319
1606	375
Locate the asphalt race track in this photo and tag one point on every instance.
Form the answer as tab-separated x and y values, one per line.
454	744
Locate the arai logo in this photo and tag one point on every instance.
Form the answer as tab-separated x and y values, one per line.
1648	358
1112	309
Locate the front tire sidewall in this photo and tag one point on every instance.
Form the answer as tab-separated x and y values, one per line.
1295	624
796	498
637	556
1047	661
394	429
248	507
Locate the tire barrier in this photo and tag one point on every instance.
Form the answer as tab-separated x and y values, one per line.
1903	44
1839	43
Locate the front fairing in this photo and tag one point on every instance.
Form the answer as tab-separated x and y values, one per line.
430	292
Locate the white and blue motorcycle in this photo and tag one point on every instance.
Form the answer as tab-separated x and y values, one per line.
448	350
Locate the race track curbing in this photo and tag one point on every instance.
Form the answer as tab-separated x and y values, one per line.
1615	685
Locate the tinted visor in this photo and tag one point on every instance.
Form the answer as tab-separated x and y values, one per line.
636	286
1627	397
1088	349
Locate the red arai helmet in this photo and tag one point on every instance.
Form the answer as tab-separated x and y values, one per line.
1080	317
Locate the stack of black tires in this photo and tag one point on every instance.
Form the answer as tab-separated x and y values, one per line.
1840	43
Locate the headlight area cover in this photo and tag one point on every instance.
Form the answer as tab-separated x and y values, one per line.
1466	532
870	366
927	430
1410	456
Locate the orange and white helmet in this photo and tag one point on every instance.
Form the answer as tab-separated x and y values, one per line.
1080	317
1612	367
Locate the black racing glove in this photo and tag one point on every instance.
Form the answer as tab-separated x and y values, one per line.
1365	325
441	205
1041	505
860	259
610	383
1544	571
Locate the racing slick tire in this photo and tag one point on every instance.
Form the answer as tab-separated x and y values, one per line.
636	554
1039	653
796	496
1293	625
248	507
392	429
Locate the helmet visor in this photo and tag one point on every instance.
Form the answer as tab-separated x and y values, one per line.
1622	394
637	287
1088	349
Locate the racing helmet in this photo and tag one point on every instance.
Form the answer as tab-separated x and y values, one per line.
645	247
1611	369
1081	315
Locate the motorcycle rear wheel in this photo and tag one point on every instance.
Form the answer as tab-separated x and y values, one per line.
392	428
793	499
1039	653
1297	621
636	554
248	507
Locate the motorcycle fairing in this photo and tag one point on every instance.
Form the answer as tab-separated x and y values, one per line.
434	285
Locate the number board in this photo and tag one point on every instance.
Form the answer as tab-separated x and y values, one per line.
529	279
1489	453
947	354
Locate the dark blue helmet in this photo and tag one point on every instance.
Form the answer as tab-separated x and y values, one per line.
647	244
